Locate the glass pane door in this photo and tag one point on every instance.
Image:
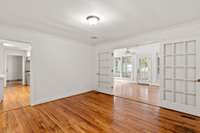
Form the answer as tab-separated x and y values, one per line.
105	72
144	69
180	69
117	66
126	67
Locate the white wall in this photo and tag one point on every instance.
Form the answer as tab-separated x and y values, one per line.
179	32
60	67
1	59
14	67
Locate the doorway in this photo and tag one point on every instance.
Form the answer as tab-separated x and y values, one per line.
16	64
136	73
14	70
168	77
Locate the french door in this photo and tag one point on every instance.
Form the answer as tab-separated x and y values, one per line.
144	69
180	65
126	67
105	72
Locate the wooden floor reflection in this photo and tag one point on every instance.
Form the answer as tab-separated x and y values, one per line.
141	93
95	112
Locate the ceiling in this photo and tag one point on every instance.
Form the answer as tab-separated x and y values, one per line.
120	19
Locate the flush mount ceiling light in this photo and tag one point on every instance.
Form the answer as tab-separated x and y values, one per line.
92	20
94	37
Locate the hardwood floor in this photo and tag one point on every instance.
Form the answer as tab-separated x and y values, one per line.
95	112
15	96
141	93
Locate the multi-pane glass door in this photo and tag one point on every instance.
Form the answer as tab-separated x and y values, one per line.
144	72
117	66
127	66
105	72
179	89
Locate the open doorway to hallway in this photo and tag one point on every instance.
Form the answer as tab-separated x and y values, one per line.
137	73
15	70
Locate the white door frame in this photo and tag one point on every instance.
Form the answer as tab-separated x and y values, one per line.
175	106
6	64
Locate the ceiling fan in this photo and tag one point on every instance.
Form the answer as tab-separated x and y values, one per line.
129	52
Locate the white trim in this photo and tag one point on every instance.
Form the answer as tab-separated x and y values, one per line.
105	91
123	79
155	84
198	75
161	72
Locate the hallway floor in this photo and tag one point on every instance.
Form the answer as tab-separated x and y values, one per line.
15	96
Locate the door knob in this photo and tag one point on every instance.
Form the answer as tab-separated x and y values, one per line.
198	80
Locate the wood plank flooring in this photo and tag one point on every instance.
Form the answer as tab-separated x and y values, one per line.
95	112
141	93
15	96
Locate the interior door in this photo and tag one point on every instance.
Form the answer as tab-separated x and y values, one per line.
105	72
180	88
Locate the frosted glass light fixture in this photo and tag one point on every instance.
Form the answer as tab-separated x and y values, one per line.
92	20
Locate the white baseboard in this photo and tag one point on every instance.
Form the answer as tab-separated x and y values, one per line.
155	84
127	80
49	99
106	91
136	82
